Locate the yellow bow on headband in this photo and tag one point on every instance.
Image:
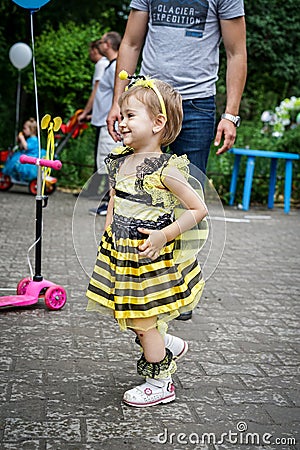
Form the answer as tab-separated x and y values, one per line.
146	83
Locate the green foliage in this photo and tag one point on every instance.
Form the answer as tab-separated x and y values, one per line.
78	160
273	57
64	75
62	32
110	13
250	135
273	39
88	19
290	141
273	48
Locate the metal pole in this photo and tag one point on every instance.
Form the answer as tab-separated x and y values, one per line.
18	106
39	198
38	232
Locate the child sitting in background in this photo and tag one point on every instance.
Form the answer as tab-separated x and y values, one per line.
27	143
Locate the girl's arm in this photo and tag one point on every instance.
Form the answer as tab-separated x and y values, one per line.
110	208
195	207
22	141
195	212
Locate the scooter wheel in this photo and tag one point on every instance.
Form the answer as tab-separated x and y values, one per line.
33	187
49	188
22	286
5	182
55	297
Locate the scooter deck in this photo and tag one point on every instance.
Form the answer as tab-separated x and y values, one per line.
18	300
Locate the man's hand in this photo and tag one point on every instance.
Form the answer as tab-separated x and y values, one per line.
226	130
113	118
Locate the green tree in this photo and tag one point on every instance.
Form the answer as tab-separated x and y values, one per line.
64	28
87	17
273	56
64	70
273	51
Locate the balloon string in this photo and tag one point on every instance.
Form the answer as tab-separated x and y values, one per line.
35	85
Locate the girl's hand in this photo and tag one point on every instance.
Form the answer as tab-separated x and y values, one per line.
21	140
151	248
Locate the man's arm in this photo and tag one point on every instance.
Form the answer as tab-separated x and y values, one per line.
234	38
130	48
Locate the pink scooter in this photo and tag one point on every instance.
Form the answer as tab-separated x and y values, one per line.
29	290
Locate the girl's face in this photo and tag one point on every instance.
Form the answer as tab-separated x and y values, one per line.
136	126
26	130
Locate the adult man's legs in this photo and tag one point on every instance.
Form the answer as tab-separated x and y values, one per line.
197	131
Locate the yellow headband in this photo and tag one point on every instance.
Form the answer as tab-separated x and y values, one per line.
146	83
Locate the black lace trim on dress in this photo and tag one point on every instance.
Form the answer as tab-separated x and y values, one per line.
127	227
140	197
113	162
148	166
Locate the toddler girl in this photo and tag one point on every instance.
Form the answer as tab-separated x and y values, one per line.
27	142
141	276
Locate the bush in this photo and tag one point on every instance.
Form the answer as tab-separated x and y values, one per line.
64	70
78	160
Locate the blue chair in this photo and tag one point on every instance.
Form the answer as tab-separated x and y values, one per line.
274	156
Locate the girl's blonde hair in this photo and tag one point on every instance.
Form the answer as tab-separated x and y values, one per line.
32	125
173	103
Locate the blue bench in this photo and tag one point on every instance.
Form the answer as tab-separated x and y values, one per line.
274	156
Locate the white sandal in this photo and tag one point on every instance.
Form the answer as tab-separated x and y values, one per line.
152	392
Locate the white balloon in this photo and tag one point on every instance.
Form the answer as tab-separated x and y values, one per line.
20	55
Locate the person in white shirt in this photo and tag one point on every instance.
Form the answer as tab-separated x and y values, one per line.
100	64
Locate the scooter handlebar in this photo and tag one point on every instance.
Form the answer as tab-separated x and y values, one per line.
56	165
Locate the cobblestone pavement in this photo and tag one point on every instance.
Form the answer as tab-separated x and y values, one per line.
63	372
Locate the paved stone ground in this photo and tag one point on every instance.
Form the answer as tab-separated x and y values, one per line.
63	373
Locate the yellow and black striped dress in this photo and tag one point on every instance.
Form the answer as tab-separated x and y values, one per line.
125	285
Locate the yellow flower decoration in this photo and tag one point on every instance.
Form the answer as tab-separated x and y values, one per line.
146	83
46	121
51	125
